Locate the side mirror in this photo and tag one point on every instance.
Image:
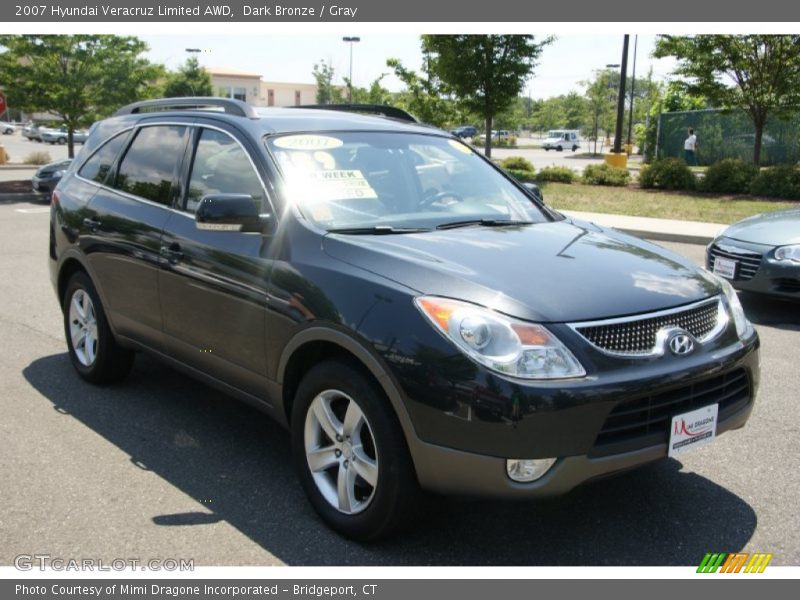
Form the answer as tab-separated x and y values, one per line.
534	190
231	212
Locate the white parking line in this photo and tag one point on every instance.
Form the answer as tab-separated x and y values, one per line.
32	211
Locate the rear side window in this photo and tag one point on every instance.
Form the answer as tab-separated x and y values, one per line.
149	166
99	165
221	167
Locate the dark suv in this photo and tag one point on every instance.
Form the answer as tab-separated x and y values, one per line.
417	318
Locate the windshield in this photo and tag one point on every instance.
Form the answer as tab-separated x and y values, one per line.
344	180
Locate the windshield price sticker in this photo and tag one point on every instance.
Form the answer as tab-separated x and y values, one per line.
308	142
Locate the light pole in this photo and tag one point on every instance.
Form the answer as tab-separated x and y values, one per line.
621	97
633	87
350	40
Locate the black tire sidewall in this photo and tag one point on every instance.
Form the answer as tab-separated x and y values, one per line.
396	483
111	362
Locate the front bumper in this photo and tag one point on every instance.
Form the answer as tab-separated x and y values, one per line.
43	186
780	279
455	472
579	425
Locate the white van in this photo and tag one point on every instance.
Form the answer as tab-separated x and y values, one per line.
558	139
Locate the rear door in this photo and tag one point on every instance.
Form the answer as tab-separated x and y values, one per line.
124	222
214	284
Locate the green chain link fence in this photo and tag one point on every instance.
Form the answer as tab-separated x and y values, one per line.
729	134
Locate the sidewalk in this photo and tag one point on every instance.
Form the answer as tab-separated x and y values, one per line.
667	230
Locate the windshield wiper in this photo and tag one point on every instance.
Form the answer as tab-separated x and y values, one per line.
482	223
377	230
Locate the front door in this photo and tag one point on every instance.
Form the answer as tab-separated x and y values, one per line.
214	283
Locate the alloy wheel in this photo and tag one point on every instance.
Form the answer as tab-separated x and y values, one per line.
341	452
83	327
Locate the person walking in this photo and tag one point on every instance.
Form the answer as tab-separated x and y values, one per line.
690	149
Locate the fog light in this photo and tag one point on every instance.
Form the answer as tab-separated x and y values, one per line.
525	470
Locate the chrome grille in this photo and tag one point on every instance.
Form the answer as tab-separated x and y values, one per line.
748	261
638	335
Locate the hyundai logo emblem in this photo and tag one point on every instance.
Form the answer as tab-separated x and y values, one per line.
681	344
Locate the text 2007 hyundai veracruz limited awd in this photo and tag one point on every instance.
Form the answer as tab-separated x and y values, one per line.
415	317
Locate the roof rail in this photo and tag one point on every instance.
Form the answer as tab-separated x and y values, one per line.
379	109
228	105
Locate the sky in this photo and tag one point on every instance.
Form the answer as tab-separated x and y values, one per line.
290	58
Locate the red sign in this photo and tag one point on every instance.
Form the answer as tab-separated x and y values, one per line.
2	103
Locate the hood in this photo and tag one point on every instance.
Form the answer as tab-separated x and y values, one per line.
549	272
773	228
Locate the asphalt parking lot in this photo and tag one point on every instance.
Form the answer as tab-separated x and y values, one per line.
162	466
19	147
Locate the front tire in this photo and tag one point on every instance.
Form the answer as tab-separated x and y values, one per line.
93	350
350	453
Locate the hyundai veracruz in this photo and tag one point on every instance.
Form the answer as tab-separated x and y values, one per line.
416	318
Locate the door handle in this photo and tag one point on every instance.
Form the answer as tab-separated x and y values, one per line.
91	224
172	253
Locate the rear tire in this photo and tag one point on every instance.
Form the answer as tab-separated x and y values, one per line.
93	350
362	483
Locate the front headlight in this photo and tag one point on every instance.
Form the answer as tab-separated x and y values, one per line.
788	253
744	328
502	344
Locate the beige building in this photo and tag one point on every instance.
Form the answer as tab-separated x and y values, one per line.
251	88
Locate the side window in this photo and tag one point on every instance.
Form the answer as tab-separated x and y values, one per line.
148	167
100	163
221	167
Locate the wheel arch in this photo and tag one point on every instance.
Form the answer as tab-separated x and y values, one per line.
69	267
315	344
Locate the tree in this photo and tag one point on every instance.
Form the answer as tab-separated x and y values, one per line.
760	73
485	72
374	94
425	96
79	78
601	96
327	93
189	80
549	114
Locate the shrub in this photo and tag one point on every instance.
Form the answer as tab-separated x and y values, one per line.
604	174
782	181
667	174
729	176
517	163
521	175
37	158
558	174
509	142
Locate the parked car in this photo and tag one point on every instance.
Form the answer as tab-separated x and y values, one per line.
559	139
7	128
47	176
760	254
60	135
497	134
465	131
31	132
382	303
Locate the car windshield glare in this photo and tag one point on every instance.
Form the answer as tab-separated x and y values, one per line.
344	180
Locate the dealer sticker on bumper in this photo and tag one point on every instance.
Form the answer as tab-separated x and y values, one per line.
725	267
693	429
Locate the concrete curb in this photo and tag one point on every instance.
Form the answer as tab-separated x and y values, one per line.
665	230
661	236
